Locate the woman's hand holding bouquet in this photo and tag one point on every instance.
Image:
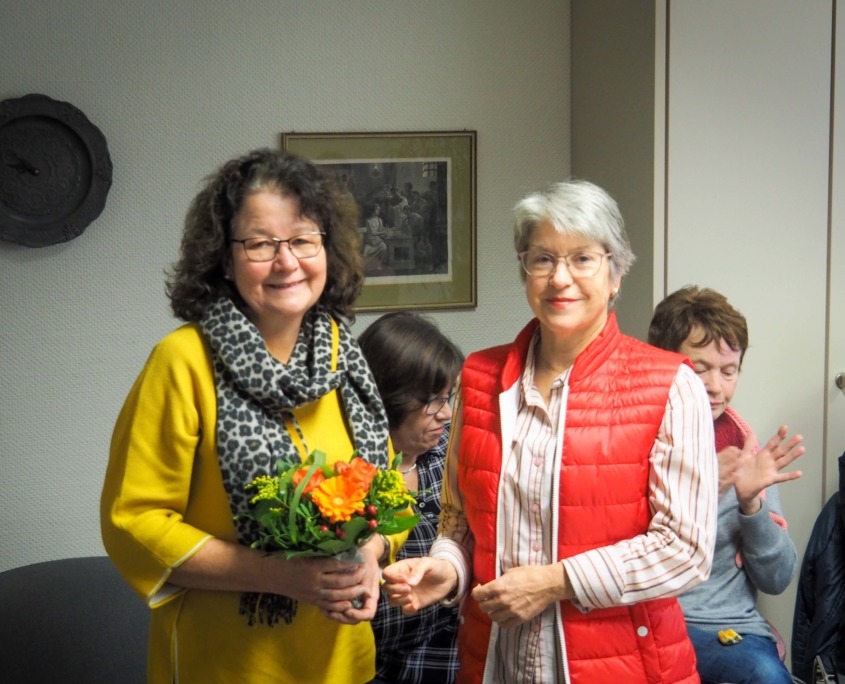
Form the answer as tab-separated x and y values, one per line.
313	509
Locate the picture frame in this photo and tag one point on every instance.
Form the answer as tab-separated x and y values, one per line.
416	197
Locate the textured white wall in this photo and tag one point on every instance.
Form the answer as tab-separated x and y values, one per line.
178	88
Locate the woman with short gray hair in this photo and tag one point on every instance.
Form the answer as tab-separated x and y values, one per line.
580	496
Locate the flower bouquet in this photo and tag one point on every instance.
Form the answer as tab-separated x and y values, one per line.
312	508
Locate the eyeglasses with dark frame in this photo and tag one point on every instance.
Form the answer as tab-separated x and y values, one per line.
436	404
302	246
536	262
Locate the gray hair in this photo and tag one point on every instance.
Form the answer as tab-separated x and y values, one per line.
576	208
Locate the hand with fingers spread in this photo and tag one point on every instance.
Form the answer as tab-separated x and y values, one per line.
415	583
523	593
751	473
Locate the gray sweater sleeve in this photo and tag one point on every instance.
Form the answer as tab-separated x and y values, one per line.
768	554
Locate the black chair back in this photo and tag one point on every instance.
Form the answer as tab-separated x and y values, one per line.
71	620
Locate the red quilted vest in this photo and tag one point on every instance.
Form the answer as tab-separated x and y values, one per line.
617	397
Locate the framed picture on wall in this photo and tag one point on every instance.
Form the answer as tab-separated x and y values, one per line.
415	194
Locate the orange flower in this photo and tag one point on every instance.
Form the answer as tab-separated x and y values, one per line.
357	471
339	499
317	478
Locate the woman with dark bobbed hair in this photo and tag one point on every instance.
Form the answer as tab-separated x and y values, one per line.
264	368
415	367
580	491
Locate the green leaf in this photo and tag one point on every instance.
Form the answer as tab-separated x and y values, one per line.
283	465
267	519
398	524
303	553
332	547
355	527
294	504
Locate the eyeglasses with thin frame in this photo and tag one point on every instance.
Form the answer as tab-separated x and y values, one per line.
302	246
536	262
436	404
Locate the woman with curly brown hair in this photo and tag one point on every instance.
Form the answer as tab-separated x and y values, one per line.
265	367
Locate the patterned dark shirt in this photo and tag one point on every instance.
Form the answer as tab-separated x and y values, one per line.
421	648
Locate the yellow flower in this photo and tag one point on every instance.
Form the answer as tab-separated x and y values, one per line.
391	490
339	499
268	488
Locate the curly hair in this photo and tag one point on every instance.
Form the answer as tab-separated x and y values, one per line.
411	361
692	308
198	278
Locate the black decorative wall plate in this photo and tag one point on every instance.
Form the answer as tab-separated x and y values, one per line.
55	171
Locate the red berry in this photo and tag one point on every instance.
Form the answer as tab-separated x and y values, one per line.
324	528
372	511
341	534
373	524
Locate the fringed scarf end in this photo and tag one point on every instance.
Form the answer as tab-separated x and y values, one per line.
267	609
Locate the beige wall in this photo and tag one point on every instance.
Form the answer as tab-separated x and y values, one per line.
613	63
177	88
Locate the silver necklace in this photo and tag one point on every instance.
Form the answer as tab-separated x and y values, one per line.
412	468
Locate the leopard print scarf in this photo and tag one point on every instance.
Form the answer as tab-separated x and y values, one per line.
255	391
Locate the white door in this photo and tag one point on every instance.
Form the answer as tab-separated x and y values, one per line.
836	267
747	187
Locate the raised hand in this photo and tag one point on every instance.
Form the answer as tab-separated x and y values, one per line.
751	473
